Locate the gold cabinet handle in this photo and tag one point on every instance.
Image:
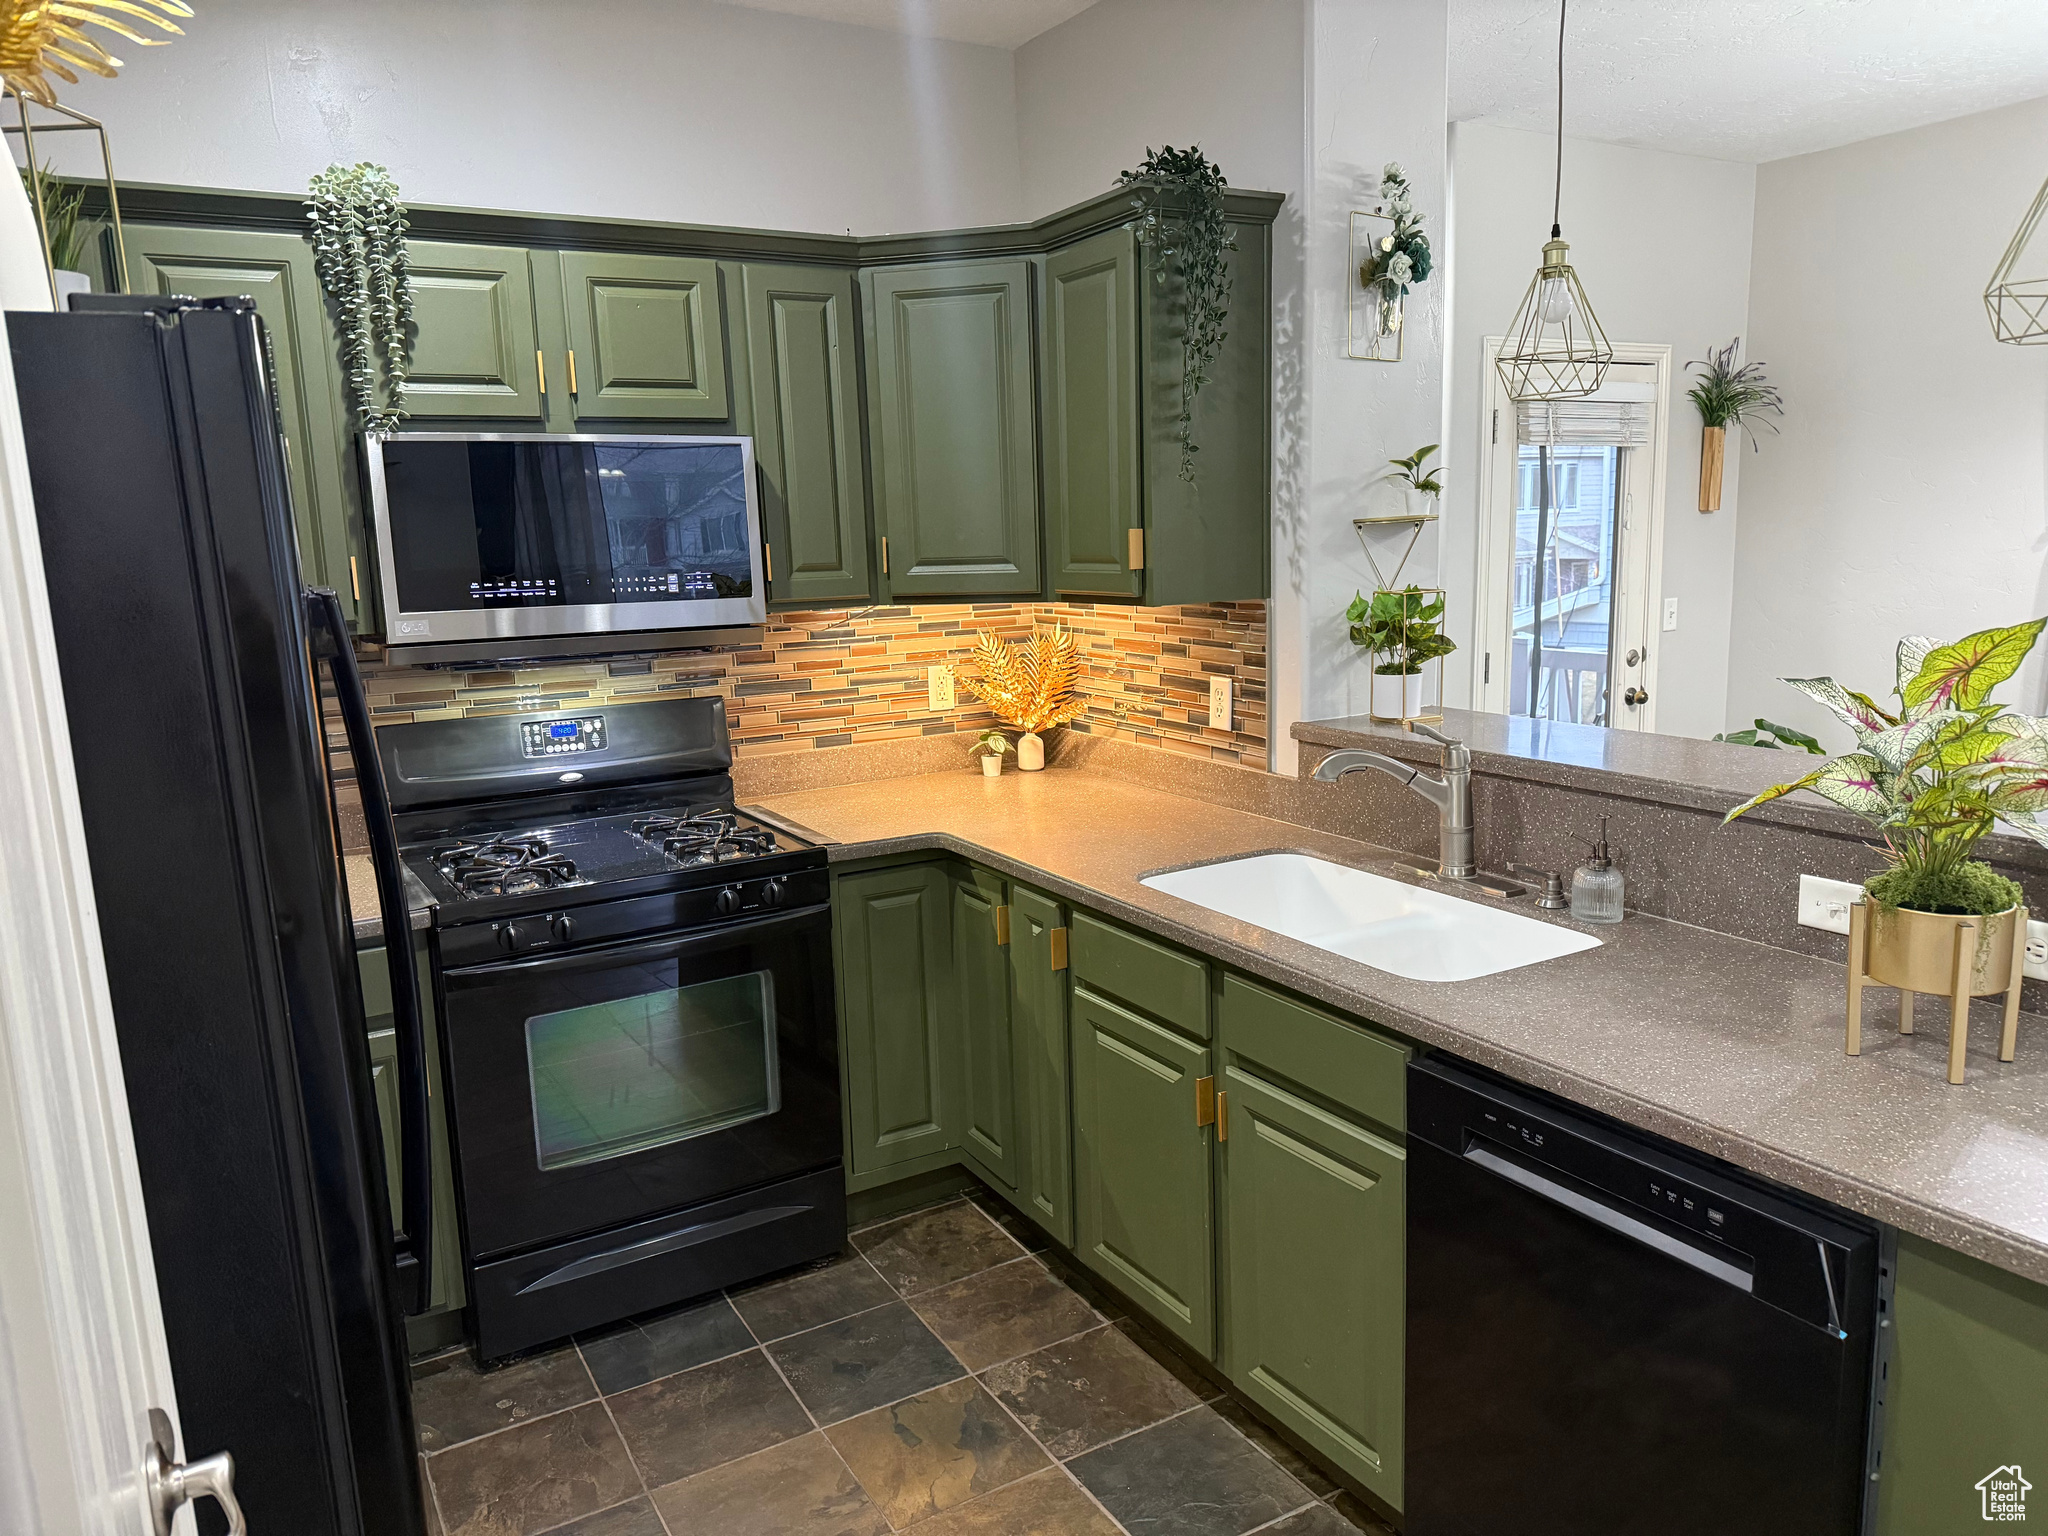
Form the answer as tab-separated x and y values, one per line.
1002	925
1058	937
1137	540
768	560
355	584
540	366
1223	1117
885	554
572	370
1205	1101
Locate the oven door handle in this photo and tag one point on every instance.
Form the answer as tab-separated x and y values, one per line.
678	944
416	1177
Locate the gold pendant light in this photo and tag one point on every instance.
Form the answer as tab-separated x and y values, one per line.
2019	307
1555	348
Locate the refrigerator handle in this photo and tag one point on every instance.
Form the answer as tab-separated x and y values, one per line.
416	1183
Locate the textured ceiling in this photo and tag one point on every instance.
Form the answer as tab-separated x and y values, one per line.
1748	80
998	23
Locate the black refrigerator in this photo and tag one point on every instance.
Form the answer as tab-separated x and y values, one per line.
189	657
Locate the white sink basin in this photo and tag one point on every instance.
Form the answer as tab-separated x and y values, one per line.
1409	930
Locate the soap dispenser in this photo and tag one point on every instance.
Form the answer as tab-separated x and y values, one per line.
1596	885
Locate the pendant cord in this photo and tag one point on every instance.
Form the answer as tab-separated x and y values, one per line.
1557	187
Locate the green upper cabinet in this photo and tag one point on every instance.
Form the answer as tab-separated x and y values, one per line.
953	429
1038	1033
645	340
1088	361
475	351
981	1023
275	270
891	927
1208	540
1142	1176
807	432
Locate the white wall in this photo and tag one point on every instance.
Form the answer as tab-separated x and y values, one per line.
647	109
1662	244
1907	492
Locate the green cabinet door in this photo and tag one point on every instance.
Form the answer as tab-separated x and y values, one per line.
952	429
475	350
1088	356
1142	1179
980	1026
807	432
891	930
1038	1034
276	272
1312	1259
646	338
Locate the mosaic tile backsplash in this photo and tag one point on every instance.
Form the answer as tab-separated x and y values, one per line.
836	678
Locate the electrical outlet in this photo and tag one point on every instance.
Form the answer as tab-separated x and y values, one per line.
1219	703
1670	613
1825	903
2037	951
938	686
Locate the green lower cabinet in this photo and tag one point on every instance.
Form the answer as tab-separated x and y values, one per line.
1312	1258
892	931
1142	1169
446	1291
981	974
1038	1037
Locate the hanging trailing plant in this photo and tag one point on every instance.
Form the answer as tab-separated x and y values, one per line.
359	253
1182	227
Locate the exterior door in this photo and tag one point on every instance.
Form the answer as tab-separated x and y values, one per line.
956	469
1038	1034
646	338
981	970
86	1364
1314	1213
1142	1179
807	433
1089	353
475	351
891	929
275	271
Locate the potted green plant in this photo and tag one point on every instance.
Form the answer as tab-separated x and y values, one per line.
63	204
1423	484
1934	777
990	746
1401	630
1728	396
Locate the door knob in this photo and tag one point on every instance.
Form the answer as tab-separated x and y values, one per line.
1635	696
173	1484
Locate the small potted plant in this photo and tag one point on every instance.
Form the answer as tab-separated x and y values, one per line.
990	746
1934	777
63	208
1728	396
1422	484
1031	687
1401	630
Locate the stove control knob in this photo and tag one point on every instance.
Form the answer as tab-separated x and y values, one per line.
728	901
510	938
565	927
773	893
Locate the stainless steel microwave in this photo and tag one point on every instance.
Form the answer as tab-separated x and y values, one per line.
498	545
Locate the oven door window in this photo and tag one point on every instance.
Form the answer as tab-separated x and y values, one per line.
662	1066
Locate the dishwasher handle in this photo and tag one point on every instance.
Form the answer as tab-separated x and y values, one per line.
1713	1265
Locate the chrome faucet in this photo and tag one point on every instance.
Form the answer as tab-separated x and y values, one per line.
1451	794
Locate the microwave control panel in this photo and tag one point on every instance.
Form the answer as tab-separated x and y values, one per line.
548	738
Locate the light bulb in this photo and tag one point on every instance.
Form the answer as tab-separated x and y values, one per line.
1556	303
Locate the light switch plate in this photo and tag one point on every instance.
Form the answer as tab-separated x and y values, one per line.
938	686
1825	903
1670	613
1219	703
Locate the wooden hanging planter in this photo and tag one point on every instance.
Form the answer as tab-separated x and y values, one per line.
1713	447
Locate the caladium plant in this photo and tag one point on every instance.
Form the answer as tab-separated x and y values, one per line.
1942	770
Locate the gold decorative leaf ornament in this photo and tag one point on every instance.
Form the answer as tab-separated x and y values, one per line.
1029	686
40	38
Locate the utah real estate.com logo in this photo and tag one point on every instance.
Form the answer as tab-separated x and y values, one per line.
2005	1494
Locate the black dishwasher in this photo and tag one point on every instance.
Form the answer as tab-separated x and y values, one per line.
1608	1335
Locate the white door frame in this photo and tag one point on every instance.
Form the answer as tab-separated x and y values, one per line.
1639	562
82	1352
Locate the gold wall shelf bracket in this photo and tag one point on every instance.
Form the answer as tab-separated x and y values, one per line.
1414	522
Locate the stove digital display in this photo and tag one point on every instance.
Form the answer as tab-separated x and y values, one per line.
546	738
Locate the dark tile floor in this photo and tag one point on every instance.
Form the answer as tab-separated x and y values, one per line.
940	1375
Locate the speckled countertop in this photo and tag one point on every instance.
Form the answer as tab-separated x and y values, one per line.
362	899
1726	1045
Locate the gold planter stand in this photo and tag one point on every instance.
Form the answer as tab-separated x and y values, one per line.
1957	957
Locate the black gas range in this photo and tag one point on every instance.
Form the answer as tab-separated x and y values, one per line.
636	987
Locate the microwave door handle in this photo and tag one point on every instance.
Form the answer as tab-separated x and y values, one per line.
416	1179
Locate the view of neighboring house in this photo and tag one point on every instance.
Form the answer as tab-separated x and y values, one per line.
1577	573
